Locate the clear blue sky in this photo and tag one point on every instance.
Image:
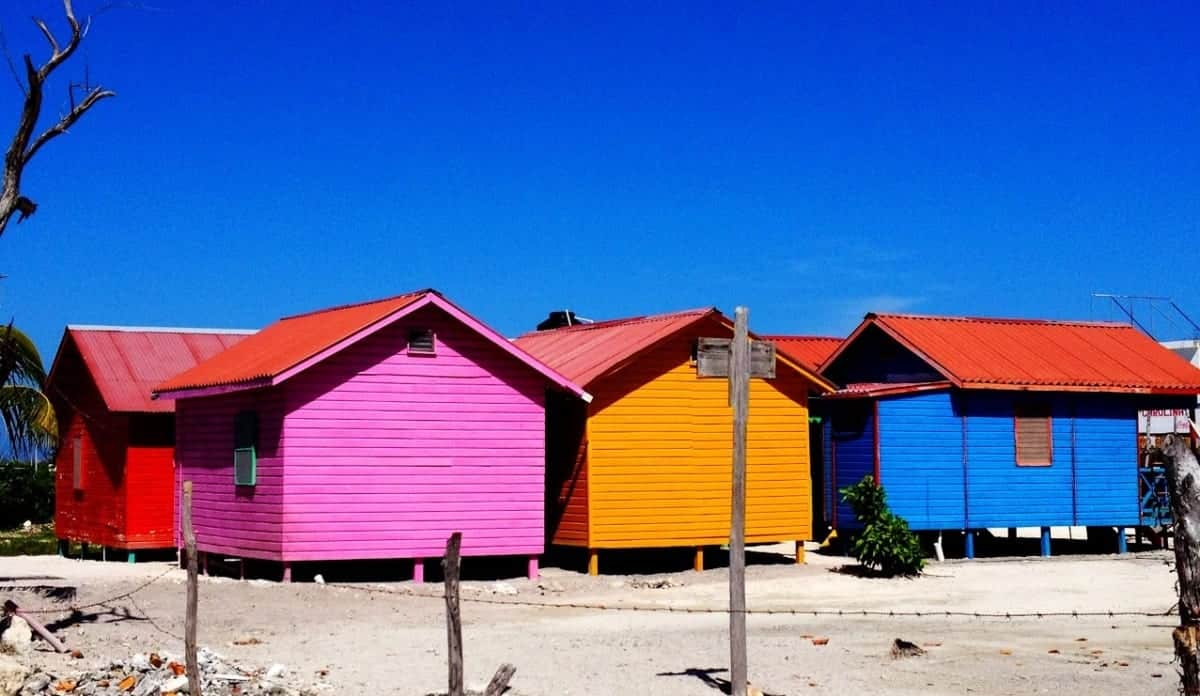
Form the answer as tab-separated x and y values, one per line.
813	163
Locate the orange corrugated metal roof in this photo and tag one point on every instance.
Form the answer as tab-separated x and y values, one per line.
809	351
127	362
586	351
985	353
287	343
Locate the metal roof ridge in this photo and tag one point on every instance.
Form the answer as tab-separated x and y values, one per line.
1000	320
800	337
159	329
363	303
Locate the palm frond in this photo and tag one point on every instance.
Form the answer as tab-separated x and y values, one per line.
29	421
20	362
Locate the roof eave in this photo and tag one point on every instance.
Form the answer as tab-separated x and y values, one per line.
211	390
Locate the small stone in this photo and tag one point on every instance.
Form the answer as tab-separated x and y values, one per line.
36	684
18	637
550	586
155	660
319	579
77	654
276	671
128	682
176	685
148	686
176	668
140	663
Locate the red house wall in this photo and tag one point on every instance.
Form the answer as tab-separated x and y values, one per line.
126	499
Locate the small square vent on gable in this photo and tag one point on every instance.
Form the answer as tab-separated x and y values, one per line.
421	341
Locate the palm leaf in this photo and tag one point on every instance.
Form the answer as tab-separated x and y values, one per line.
20	362
29	421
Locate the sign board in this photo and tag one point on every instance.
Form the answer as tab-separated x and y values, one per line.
712	358
1164	420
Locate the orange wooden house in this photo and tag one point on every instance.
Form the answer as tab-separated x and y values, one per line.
114	470
647	463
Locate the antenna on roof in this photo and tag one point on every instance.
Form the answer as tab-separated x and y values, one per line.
1164	307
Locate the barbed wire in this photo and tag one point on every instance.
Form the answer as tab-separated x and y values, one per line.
846	613
103	602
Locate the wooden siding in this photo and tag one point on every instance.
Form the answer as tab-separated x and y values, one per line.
921	456
566	470
853	444
1002	494
243	521
94	514
659	455
1106	487
389	453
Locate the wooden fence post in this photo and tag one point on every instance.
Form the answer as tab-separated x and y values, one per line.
192	665
739	392
451	567
1184	482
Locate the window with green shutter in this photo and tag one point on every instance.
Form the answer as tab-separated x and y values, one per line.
245	454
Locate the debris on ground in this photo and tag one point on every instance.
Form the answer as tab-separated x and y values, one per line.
820	641
659	584
904	648
502	588
17	636
12	675
152	674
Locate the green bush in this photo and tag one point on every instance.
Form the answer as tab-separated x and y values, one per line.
885	543
26	493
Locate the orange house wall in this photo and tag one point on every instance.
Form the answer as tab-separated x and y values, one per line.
659	454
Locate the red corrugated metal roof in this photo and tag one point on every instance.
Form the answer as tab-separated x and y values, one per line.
809	351
986	353
586	351
126	362
287	343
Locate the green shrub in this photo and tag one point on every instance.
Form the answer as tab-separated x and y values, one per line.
26	493
885	543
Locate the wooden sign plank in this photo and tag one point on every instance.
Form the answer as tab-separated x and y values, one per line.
713	357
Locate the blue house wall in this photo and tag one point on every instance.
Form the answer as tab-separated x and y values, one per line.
921	462
948	459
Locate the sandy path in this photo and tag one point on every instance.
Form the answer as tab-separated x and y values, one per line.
372	638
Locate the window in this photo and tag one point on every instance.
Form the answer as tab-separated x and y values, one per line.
245	455
77	463
421	341
1033	428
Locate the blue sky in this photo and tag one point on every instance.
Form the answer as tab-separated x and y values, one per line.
813	163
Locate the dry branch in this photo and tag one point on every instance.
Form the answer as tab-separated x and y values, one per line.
24	146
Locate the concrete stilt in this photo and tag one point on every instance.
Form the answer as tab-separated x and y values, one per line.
1046	542
531	568
83	549
287	572
418	570
698	560
131	557
799	552
104	553
1012	533
969	544
593	562
64	548
1121	543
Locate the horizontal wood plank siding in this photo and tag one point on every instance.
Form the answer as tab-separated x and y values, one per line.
1002	494
1106	461
852	435
921	450
660	455
149	497
241	521
95	513
389	453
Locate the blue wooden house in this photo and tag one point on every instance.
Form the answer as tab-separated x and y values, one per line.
983	423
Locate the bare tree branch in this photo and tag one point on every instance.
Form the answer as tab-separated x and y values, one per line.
48	34
20	151
12	67
69	120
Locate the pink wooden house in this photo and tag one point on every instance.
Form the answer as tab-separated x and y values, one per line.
368	431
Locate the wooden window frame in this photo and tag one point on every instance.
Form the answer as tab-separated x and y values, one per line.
412	333
245	444
1033	410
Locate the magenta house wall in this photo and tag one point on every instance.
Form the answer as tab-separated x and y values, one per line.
375	452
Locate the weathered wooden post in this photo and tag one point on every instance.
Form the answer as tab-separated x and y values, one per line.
192	665
1184	481
739	391
451	567
738	360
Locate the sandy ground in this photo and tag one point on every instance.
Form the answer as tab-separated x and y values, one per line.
362	635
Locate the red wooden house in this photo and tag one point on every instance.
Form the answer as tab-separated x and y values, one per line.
114	468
